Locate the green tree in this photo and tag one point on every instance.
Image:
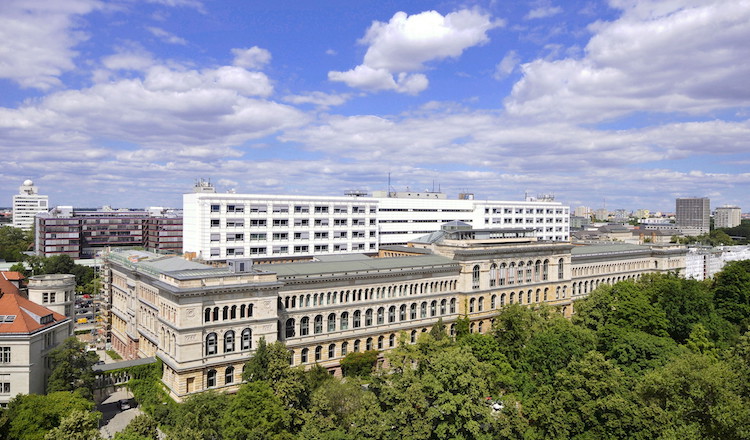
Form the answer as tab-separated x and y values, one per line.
255	413
14	242
438	330
487	350
513	328
359	364
698	341
201	413
19	267
72	367
58	264
635	351
31	416
463	327
142	426
257	367
697	396
78	425
684	301
731	289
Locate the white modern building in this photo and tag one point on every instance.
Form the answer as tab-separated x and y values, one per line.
26	204
224	226
727	217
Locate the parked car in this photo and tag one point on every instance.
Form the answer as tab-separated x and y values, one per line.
124	404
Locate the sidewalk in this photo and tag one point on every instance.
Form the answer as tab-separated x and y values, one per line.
113	419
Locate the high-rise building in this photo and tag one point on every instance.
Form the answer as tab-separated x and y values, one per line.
693	215
26	204
727	217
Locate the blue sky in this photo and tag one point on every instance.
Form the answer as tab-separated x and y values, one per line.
127	103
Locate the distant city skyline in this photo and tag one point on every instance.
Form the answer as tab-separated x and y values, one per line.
127	103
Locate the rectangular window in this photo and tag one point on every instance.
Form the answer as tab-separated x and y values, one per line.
258	208
280	222
258	222
321	235
235	223
5	386
301	209
5	355
215	237
280	236
321	248
301	222
215	223
215	208
235	208
321	222
300	249
321	209
45	298
280	208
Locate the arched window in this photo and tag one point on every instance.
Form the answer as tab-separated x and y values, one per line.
519	273
512	297
453	305
216	314
332	322
250	311
493	302
471	328
211	379
289	328
211	345
344	321
356	319
392	340
368	318
229	375
233	312
433	308
303	355
453	330
318	324
229	341
391	314
423	310
402	312
529	268
318	353
344	348
480	326
528	297
331	351
304	326
475	277
242	310
480	303
537	270
413	311
246	339
511	273
413	336
380	342
225	313
471	305
560	269
356	345
443	303
207	315
368	344
502	300
502	274
493	275
381	315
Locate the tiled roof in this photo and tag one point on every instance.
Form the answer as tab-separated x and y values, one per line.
27	313
13	276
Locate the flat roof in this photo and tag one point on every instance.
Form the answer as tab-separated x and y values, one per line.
358	265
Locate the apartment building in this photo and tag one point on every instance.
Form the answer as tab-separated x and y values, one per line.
693	215
727	217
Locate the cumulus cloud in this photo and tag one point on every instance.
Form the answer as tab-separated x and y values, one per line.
252	58
319	99
38	40
406	43
657	56
165	36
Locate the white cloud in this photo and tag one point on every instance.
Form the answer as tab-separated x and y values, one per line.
129	60
658	56
253	58
38	40
543	12
195	4
165	36
319	99
506	66
406	43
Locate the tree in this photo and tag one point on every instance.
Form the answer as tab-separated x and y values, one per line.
685	302
18	267
141	427
31	416
255	413
731	289
257	367
513	328
14	242
201	413
438	330
359	363
58	264
463	327
72	367
78	425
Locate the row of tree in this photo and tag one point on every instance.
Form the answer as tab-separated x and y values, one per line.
662	357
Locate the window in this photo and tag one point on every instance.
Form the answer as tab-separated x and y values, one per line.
303	355
453	305
211	379
545	270
229	375
413	311
471	305
215	223
402	313
247	339
5	384
380	342
289	328
211	345
368	344
392	340
344	325
423	310
229	341
344	348
413	336
332	322
356	345
304	326
318	352
5	355
318	325
560	269
475	277
493	275
433	308
368	318
356	320
480	303
215	208
331	351
493	301
381	315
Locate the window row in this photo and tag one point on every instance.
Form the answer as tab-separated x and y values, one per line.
517	273
212	342
370	316
298	209
367	294
227	312
586	287
211	377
